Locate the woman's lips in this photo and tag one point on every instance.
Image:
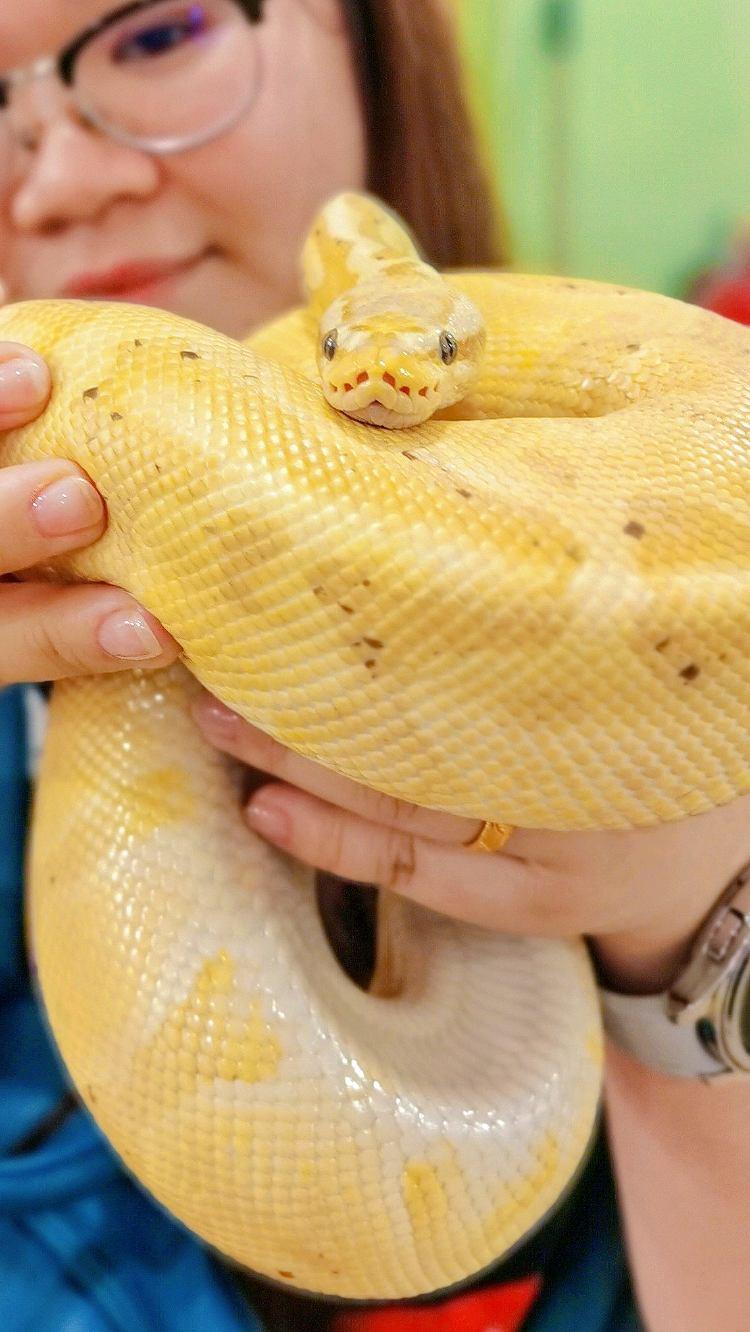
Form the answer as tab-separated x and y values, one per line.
136	280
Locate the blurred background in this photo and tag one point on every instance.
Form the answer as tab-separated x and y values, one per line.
618	132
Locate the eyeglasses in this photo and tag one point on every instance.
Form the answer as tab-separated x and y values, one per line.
161	75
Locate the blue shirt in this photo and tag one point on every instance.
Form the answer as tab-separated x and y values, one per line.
84	1249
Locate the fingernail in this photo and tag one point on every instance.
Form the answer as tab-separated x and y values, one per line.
23	383
67	506
215	717
126	634
268	817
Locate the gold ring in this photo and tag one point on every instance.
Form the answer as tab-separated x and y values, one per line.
491	837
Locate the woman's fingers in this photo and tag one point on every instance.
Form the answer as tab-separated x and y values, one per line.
498	891
25	385
46	507
236	737
343	828
49	632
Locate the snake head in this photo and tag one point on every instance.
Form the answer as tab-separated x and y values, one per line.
392	355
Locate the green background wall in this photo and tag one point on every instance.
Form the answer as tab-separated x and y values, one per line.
618	130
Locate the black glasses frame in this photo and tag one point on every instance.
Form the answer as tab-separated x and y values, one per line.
65	60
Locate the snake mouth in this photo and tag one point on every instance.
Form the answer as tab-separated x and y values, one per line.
398	398
377	414
385	408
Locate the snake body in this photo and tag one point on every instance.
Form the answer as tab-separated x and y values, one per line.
533	608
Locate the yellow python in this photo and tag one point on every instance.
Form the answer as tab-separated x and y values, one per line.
535	611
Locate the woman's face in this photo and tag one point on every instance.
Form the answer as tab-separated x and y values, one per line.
213	232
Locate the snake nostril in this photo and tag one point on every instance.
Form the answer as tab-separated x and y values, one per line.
405	389
347	388
362	377
388	379
423	392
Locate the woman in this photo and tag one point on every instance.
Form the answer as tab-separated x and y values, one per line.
137	167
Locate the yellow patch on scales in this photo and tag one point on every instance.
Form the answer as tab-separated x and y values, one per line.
208	1035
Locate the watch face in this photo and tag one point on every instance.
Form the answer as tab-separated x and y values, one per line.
735	1019
743	1010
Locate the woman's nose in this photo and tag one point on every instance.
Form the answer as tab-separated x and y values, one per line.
72	171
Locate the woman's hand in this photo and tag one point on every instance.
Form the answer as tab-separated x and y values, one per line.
641	894
48	507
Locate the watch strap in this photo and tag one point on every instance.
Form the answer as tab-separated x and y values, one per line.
641	1024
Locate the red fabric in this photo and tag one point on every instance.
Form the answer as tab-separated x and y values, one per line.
492	1309
725	289
729	297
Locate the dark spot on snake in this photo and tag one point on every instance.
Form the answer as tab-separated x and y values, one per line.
690	672
158	468
365	582
466	493
633	529
91	393
90	1094
372	642
371	664
633	346
318	591
571	286
407	454
663	644
137	342
189	356
289	1276
115	416
349	609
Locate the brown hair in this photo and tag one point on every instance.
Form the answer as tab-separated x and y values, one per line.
424	158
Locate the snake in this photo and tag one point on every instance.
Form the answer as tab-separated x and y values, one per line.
530	605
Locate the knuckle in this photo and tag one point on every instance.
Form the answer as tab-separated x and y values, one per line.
332	844
399	862
393	812
56	651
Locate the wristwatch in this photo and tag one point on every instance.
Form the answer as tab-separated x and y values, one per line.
700	1026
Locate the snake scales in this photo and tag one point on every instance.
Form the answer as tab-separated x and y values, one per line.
533	608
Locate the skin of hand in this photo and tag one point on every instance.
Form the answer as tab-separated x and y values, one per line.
77	203
640	895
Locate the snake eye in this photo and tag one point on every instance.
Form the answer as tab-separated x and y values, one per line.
448	347
330	344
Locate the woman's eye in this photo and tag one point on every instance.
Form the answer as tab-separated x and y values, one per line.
162	37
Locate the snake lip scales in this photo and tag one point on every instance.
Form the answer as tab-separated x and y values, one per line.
532	608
